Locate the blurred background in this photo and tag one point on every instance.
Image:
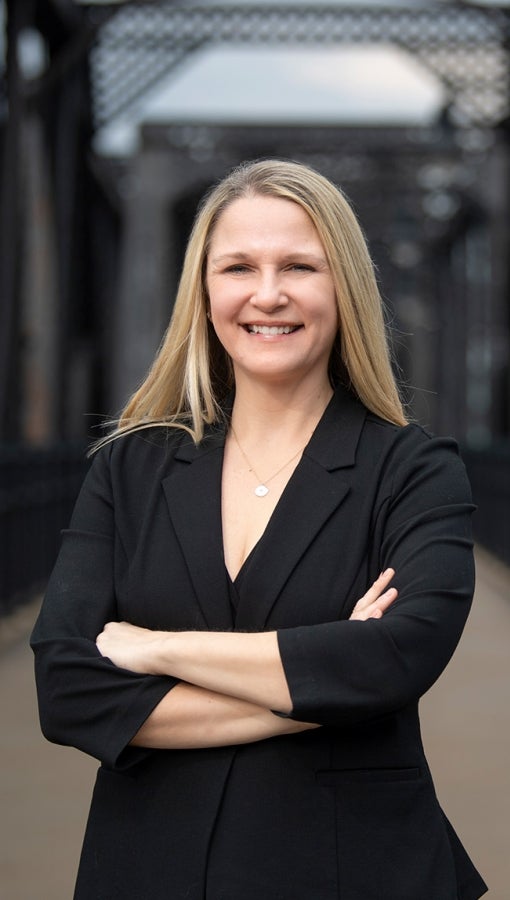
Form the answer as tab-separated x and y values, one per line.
114	119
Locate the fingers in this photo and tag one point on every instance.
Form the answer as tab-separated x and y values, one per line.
376	609
383	581
378	588
377	599
383	602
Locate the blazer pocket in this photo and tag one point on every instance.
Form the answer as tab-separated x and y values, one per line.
333	777
391	841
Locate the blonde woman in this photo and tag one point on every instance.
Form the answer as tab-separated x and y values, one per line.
266	568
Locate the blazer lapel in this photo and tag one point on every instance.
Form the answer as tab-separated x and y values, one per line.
316	489
193	494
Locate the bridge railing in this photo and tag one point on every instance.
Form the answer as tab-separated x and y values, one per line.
489	473
38	489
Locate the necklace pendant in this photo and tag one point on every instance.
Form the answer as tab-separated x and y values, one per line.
261	490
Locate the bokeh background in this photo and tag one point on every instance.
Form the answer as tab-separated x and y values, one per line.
114	119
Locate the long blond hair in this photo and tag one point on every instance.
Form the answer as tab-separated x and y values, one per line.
192	373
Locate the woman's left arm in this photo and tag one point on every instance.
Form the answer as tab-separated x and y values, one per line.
346	673
246	666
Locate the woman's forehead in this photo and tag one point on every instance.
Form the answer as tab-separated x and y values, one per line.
262	217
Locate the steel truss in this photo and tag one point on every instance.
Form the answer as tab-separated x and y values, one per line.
467	48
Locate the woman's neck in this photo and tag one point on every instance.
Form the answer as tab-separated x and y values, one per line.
261	411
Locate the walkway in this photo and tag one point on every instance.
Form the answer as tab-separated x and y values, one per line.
45	790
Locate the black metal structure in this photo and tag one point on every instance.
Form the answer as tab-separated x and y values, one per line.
465	46
87	243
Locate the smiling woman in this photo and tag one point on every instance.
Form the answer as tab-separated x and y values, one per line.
265	570
272	298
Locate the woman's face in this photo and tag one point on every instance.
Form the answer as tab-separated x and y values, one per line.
271	293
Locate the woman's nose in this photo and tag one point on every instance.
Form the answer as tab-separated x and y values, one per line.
268	293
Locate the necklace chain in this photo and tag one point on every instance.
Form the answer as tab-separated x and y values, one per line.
262	487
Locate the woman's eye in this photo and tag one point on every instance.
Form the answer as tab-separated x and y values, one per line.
237	269
301	267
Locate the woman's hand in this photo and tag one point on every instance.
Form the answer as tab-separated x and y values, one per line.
130	647
377	599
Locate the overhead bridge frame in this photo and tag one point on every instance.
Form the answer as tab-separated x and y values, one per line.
466	48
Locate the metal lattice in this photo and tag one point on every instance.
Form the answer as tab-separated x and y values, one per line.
465	47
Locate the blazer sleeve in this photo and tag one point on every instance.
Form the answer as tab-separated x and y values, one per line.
84	699
348	672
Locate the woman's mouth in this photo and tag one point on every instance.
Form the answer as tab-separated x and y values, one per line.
271	329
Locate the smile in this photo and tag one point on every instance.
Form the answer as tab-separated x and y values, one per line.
271	329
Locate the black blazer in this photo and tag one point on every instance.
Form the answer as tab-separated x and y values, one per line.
345	811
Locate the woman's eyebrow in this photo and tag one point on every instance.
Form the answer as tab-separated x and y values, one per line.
298	256
233	254
304	256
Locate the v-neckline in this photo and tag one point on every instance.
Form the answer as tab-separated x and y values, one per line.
314	491
245	564
260	540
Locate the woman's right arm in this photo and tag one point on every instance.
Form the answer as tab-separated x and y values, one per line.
86	701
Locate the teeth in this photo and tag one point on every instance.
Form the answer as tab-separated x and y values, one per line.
271	329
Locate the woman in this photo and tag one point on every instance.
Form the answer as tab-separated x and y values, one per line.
202	635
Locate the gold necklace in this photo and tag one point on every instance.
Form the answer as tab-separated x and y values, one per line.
262	489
